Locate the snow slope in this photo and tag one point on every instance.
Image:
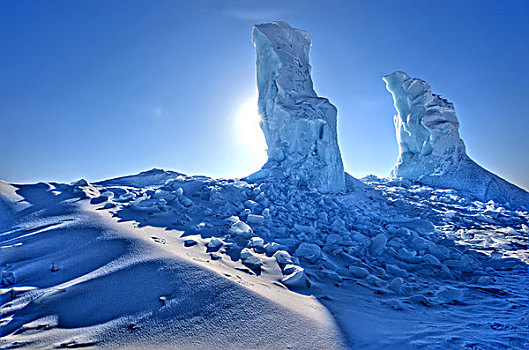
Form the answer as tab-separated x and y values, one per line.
198	262
73	276
431	150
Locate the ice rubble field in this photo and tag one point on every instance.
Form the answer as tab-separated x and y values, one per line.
165	259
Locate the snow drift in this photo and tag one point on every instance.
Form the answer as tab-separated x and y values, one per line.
299	126
431	150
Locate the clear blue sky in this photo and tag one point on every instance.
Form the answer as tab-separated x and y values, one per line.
97	89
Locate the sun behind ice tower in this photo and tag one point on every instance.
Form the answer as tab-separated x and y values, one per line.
299	126
431	150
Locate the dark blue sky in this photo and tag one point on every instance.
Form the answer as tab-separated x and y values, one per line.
97	89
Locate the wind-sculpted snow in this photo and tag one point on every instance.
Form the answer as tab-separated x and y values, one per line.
299	126
431	150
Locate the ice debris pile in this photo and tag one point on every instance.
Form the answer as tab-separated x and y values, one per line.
299	126
387	246
431	150
394	236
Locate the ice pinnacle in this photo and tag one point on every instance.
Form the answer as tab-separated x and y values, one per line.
431	150
299	126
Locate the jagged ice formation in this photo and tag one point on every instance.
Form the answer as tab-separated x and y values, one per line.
431	150
299	126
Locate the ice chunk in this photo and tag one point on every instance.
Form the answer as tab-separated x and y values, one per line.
484	280
251	204
296	279
240	228
416	224
233	219
256	242
289	268
189	242
246	253
328	276
163	194
252	262
439	252
396	285
378	244
283	257
431	260
186	202
109	205
299	126
199	227
375	281
271	248
308	251
358	272
420	299
333	239
7	278
396	271
214	244
449	295
215	256
98	200
145	204
254	219
125	197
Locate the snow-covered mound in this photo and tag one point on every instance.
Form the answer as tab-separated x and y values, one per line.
299	126
431	150
198	262
72	276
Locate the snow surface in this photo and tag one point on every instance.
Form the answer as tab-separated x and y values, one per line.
431	150
299	126
185	264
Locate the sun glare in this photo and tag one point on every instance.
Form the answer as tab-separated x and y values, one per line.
250	133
